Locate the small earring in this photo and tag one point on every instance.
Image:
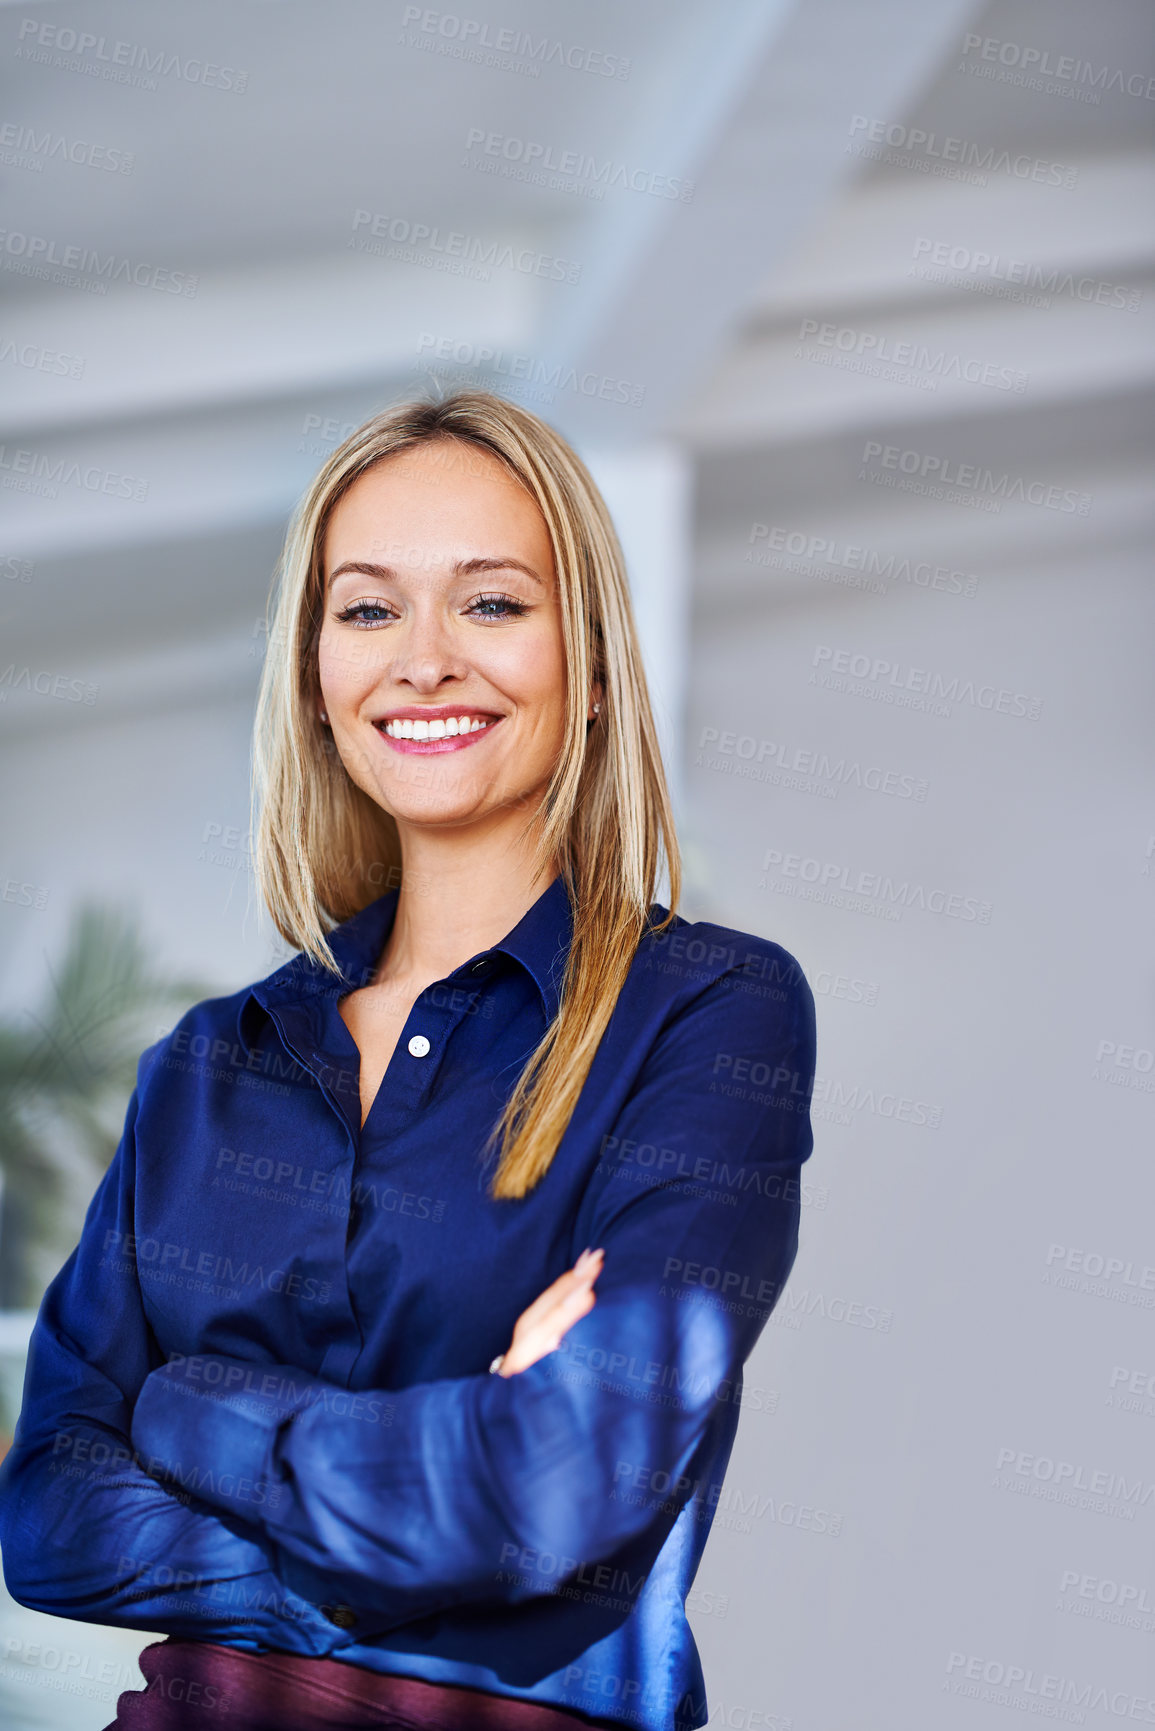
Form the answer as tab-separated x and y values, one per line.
597	707
325	717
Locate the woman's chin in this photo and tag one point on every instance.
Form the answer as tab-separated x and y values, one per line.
442	810
437	810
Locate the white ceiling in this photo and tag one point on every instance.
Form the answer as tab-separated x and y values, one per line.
218	400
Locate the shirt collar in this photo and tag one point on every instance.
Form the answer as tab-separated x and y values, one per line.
540	941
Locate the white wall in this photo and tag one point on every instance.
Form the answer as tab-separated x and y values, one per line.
947	1229
139	809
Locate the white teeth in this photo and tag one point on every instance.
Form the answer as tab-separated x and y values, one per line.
451	727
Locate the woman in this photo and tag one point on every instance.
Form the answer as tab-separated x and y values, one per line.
259	1413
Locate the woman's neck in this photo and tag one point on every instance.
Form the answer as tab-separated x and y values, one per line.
459	894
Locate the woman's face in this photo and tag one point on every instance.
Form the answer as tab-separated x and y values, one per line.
441	658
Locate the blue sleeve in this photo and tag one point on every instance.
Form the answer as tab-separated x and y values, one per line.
87	1530
472	1489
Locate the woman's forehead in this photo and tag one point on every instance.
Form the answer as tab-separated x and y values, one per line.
435	504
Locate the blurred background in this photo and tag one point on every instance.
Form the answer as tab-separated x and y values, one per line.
850	309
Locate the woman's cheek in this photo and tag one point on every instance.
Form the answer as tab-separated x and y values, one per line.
345	668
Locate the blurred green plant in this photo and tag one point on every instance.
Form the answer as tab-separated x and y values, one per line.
66	1075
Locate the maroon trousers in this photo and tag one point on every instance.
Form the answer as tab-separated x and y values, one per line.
200	1686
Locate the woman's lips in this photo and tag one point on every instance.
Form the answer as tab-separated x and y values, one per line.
431	747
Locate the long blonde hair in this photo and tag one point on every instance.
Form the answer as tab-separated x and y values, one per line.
324	849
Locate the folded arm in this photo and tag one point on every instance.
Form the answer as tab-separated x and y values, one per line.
87	1527
488	1488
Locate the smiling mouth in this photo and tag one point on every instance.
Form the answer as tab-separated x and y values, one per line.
440	733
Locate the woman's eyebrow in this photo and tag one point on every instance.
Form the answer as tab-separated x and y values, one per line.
470	567
463	568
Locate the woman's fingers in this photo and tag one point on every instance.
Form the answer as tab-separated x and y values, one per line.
559	1305
542	1326
587	1268
546	1336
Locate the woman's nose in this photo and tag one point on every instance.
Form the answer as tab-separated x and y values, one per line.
425	654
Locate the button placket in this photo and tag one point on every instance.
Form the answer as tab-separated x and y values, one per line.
411	1070
299	1028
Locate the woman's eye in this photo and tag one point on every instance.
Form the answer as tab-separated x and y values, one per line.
497	607
369	612
364	613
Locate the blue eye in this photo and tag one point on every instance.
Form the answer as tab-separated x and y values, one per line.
503	607
357	611
369	612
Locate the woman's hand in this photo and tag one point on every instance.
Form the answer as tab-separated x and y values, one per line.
540	1328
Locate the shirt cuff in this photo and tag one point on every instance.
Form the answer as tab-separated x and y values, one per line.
208	1424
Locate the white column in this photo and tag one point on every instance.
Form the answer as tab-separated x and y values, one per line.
648	491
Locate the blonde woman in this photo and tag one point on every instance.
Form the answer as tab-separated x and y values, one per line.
396	1373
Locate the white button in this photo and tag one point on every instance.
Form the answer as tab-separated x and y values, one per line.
418	1046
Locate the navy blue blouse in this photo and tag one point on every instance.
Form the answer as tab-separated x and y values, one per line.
258	1408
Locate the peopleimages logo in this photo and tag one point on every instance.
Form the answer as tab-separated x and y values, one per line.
452	249
36	252
818	555
487	360
1003	1683
901	358
37	472
958	158
24	895
926	472
879	678
24	147
763	759
58	685
1038	64
530	154
101	57
1045	280
810	879
903	1108
1068	1481
512	50
41	360
1106	1591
